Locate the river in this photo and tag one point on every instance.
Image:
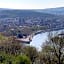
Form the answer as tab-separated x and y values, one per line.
39	39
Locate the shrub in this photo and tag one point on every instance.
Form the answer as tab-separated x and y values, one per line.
22	59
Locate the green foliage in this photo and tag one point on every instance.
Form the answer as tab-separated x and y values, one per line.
36	28
6	58
13	59
31	52
2	37
9	46
22	59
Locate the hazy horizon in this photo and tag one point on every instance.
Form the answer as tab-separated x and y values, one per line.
31	4
31	9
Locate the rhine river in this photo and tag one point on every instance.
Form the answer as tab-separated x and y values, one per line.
41	38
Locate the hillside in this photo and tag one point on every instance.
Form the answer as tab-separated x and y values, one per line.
56	11
44	19
21	13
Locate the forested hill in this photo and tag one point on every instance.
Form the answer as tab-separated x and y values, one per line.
22	13
56	11
32	13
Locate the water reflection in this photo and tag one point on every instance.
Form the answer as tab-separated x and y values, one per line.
39	39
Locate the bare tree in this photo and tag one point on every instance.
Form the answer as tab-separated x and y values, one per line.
54	49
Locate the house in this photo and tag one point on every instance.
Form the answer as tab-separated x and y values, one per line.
23	38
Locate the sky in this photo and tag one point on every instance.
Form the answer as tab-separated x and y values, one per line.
31	4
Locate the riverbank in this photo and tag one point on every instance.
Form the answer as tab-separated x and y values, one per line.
40	38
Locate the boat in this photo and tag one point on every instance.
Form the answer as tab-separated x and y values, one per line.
26	40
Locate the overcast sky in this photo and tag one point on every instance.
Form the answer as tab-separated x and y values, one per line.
31	4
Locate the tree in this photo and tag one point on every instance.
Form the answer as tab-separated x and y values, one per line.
31	52
10	45
53	50
22	59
